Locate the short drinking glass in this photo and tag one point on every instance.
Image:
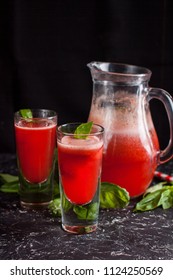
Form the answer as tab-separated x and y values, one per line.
35	147
79	161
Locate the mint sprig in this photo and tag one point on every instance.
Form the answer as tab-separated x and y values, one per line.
83	130
26	113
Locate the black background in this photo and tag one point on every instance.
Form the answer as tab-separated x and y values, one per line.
46	44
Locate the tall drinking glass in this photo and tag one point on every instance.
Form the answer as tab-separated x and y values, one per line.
35	148
79	173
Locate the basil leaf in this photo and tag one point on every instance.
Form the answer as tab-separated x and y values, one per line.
87	213
80	211
82	130
9	183
66	204
167	199
93	211
7	178
161	197
26	113
154	188
55	206
113	196
11	187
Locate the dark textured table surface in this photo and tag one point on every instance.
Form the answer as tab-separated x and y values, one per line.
122	234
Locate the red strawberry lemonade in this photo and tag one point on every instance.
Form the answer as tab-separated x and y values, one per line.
35	143
130	154
129	162
80	167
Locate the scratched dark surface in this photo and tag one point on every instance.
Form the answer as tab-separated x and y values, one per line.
122	234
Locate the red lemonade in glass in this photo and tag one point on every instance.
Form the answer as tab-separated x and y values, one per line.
35	143
80	167
35	132
80	147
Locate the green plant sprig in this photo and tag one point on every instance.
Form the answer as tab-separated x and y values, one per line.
26	113
111	196
83	130
159	195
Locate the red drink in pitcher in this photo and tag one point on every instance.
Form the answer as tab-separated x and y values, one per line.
129	162
129	155
121	104
130	151
35	143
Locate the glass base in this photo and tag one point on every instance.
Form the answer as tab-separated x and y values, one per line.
35	205
80	229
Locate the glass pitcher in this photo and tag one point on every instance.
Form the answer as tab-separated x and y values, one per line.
120	103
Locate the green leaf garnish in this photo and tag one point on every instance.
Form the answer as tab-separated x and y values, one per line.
87	213
7	178
12	187
9	183
55	206
156	196
113	196
26	113
83	130
154	188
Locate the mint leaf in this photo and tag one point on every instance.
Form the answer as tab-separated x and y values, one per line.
160	197
82	130
26	113
113	196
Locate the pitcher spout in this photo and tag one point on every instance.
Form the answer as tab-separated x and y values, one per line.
118	72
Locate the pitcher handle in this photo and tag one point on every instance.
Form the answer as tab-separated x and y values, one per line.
167	100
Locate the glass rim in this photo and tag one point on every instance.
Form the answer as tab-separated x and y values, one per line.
119	73
76	124
124	69
52	113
